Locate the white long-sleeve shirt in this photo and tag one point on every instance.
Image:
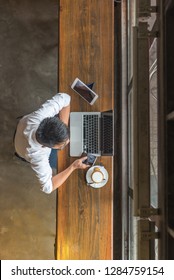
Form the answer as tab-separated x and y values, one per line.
28	147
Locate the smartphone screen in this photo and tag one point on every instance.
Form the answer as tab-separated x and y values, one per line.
90	160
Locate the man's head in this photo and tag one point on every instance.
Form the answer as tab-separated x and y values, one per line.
52	133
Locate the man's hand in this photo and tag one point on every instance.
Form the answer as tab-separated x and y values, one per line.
78	164
60	178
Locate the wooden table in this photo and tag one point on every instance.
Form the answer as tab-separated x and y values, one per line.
86	50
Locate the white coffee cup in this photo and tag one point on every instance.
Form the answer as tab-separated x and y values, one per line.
97	175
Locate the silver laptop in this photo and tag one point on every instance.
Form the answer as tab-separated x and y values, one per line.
91	132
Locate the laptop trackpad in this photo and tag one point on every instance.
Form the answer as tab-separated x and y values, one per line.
75	138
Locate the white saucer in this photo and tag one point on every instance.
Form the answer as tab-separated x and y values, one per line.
89	180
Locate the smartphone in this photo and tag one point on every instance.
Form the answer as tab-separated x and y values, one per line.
84	91
90	160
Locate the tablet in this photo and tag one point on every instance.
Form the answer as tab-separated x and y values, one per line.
84	91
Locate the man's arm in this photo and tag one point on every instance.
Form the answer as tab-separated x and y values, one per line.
64	114
61	177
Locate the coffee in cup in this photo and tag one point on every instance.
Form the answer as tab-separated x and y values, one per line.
97	175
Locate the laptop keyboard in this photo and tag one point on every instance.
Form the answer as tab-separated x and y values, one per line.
91	133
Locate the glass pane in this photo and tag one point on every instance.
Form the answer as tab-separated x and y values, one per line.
152	19
133	233
153	118
153	99
131	22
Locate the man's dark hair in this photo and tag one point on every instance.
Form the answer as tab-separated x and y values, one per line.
52	131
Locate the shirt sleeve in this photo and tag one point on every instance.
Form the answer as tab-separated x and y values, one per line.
43	171
54	105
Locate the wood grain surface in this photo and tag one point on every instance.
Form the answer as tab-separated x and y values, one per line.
86	51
